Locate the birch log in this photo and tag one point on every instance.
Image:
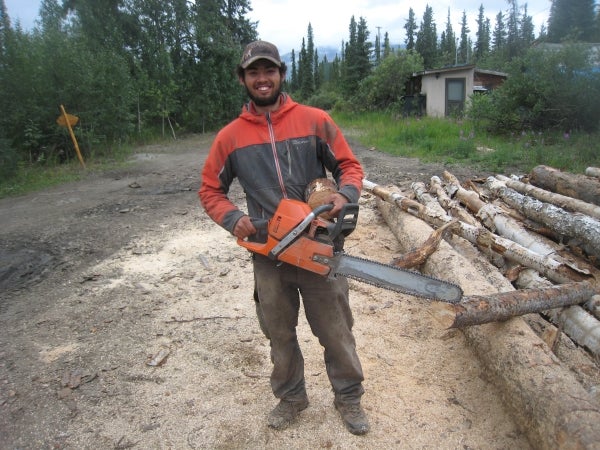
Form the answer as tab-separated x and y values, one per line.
427	199
449	204
593	306
584	228
495	220
479	309
485	240
469	198
581	326
545	399
572	185
559	200
593	172
506	226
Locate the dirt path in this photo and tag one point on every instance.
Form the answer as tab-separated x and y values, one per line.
98	277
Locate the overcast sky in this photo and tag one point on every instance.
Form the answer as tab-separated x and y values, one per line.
285	22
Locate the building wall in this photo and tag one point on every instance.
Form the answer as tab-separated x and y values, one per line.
488	81
433	85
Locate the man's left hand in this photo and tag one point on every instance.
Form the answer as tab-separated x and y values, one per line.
338	201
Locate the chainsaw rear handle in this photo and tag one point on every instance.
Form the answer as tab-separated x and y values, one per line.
262	229
345	222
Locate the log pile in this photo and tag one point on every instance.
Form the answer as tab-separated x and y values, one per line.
537	267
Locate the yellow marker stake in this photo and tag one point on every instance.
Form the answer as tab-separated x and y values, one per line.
66	120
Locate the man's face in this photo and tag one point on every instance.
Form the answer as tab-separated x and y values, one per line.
263	82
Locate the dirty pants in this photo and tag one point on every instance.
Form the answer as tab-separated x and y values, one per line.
327	309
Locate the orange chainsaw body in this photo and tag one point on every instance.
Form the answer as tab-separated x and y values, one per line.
294	220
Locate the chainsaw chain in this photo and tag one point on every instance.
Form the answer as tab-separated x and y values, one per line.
395	288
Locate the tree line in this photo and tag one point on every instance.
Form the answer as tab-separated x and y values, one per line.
126	68
553	77
494	47
132	68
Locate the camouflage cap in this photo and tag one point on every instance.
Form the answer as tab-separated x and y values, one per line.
260	50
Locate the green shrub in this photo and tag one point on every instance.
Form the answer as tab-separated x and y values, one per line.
324	100
545	90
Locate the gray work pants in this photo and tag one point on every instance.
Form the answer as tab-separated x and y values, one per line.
327	309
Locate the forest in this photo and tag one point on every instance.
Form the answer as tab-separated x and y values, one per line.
132	70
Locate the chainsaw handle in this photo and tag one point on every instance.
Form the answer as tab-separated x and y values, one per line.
345	222
322	209
262	229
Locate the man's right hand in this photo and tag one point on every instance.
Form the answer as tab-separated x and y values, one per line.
244	228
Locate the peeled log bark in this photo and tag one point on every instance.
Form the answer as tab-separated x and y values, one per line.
478	309
417	257
545	399
562	201
584	228
571	185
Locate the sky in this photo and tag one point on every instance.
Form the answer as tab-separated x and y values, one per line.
285	22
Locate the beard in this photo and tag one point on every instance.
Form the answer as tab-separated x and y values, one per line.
262	101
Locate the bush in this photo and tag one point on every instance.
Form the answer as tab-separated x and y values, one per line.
324	100
545	90
384	88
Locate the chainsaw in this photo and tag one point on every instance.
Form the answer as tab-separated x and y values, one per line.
298	235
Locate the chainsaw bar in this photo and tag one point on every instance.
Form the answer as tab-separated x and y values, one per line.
392	278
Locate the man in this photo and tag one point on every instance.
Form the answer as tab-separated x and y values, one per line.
275	148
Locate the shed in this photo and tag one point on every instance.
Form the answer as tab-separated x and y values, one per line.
448	90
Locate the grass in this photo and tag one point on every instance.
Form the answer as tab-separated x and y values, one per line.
459	142
29	177
428	139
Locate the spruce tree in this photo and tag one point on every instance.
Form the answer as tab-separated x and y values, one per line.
465	44
426	43
448	44
571	20
411	30
482	43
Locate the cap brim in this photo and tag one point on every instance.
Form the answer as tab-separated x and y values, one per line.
249	61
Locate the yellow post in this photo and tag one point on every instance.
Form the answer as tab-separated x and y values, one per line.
67	122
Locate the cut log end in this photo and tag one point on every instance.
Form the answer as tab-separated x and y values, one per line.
318	192
444	314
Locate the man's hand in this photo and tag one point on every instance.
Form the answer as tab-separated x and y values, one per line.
338	201
244	228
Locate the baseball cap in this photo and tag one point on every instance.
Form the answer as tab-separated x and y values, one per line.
260	50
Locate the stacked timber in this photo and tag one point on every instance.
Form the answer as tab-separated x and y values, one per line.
537	269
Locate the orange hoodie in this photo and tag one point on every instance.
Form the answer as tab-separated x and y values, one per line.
274	156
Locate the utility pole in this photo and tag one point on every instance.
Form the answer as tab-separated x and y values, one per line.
456	53
379	46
